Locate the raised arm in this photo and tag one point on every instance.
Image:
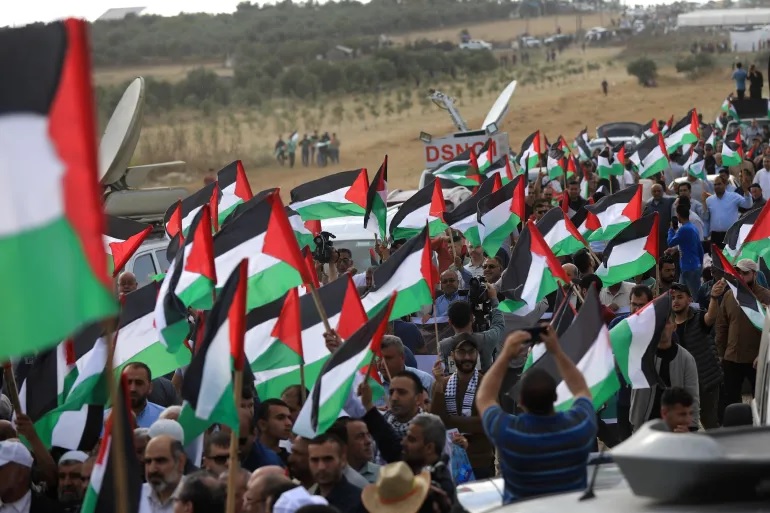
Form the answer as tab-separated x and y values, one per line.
486	396
572	377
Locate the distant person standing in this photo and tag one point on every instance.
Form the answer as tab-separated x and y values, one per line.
756	83
304	145
291	148
313	142
739	75
605	87
334	149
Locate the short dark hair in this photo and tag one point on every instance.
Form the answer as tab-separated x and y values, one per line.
642	290
739	65
680	287
582	260
317	508
140	365
756	185
666	260
460	313
327	437
686	185
418	388
344	250
204	491
540	202
573	182
340	429
676	395
538	391
247	391
263	411
683	211
591	279
219	439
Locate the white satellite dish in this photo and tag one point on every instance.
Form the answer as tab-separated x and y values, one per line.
500	107
122	134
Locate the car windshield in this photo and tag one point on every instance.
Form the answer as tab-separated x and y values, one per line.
747	131
619	130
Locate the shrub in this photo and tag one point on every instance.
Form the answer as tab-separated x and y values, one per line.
645	70
695	65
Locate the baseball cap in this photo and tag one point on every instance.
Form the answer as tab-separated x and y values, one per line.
78	456
466	338
290	501
12	451
681	287
746	264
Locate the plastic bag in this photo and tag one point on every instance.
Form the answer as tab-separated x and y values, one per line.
462	472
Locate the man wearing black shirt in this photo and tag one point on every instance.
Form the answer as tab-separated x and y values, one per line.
326	456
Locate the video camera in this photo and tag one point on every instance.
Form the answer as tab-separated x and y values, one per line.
478	297
324	247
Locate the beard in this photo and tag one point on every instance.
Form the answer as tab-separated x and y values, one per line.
161	483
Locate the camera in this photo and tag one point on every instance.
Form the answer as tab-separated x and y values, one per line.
324	247
478	297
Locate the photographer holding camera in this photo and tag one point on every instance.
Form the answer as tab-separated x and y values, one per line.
340	261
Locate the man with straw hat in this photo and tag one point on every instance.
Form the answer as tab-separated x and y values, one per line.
398	490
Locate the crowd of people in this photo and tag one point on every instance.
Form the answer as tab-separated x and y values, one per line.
315	150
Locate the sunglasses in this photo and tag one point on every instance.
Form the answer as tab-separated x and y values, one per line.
220	459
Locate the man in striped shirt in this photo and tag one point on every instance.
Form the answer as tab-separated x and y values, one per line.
540	451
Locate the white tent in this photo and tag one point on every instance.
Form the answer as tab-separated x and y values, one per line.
748	40
724	17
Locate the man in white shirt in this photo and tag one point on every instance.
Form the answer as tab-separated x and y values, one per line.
16	495
164	461
763	177
617	297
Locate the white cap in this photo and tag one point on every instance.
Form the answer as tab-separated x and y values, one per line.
78	456
12	451
292	500
168	427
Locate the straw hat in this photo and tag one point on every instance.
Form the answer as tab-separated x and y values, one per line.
397	490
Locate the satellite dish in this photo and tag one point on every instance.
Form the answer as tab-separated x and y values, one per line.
500	107
122	133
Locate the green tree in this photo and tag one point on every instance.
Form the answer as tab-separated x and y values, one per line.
644	69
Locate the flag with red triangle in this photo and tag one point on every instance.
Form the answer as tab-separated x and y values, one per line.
426	205
607	217
338	195
631	252
376	215
121	240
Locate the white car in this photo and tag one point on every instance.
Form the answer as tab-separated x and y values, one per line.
475	44
531	42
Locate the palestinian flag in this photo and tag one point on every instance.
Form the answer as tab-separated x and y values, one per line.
732	149
499	213
283	334
138	339
710	135
686	131
301	233
532	273
607	165
502	169
531	148
376	215
246	205
651	156
584	151
631	252
462	169
410	272
619	156
587	343
741	292
338	195
727	106
556	163
695	164
122	239
101	496
261	233
63	390
563	146
736	235
667	126
651	128
229	190
425	206
560	234
189	282
756	244
571	167
207	391
562	319
52	223
464	217
487	156
336	379
635	339
611	214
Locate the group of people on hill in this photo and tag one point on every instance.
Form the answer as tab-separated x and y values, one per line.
315	150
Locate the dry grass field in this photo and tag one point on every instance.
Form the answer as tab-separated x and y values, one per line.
168	72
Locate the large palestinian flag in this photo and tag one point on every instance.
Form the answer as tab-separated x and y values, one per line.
121	240
410	272
556	163
207	391
743	295
425	206
463	169
223	196
757	241
304	237
532	273
736	236
581	141
562	319
587	343
559	233
376	215
502	169
487	156
732	149
335	382
338	195
631	252
695	163
464	217
52	220
635	340
531	148
608	164
651	128
651	156
608	216
500	213
63	390
685	131
101	496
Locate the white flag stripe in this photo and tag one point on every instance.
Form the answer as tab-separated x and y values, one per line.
216	373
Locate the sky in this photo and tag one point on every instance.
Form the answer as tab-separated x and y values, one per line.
21	12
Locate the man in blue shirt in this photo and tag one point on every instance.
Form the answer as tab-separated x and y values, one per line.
722	208
540	451
690	248
139	380
449	284
739	75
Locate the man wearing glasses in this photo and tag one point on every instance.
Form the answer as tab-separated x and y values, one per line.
737	339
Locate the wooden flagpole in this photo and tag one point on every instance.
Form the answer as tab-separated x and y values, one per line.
232	471
451	244
10	385
118	425
320	307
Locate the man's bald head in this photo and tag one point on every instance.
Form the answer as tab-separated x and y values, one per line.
265	471
261	488
657	191
127	282
571	271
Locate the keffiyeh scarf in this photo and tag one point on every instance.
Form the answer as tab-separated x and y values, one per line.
450	395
